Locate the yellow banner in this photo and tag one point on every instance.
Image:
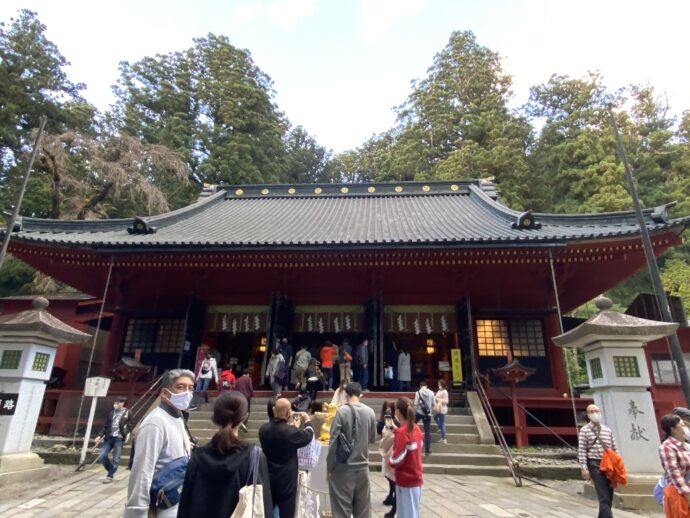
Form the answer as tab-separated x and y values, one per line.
457	364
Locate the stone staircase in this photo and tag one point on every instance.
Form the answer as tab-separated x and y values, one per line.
464	454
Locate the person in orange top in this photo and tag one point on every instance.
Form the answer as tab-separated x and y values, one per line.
327	352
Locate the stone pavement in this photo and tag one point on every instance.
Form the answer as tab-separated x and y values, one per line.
83	494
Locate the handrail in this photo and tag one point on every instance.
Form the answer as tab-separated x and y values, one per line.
513	465
146	397
539	421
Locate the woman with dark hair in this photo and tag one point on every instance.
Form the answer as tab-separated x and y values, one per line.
441	399
675	459
386	429
218	470
406	459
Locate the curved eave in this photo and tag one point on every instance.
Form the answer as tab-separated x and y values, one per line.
529	241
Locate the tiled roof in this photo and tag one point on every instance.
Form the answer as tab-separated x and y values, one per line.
435	214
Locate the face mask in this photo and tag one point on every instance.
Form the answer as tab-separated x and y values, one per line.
687	434
182	400
116	406
595	418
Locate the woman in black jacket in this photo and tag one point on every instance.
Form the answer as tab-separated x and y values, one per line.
218	470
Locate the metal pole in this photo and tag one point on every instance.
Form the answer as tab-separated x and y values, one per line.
20	196
87	435
676	351
566	352
93	347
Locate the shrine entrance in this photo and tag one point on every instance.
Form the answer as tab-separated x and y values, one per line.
427	333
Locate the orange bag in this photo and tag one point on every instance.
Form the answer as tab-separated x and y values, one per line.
613	468
675	504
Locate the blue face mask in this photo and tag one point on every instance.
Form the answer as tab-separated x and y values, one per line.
182	400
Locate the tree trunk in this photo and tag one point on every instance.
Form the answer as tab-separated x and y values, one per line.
95	200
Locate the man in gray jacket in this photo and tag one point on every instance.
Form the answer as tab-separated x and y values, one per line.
348	483
162	438
423	404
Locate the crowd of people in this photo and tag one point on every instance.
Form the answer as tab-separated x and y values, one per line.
173	476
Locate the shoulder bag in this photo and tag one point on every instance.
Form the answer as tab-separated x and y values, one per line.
251	502
343	445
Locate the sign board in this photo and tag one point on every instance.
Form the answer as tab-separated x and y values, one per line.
456	360
444	366
8	403
97	386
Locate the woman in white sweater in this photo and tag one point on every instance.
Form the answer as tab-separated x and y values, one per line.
440	416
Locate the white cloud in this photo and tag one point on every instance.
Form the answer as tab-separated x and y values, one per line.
286	14
379	15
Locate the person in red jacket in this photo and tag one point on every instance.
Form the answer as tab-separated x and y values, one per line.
406	459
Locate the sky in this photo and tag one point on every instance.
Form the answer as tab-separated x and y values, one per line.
340	66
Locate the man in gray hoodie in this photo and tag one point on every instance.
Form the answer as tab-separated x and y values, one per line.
162	438
348	483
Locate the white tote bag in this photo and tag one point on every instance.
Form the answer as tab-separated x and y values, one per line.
251	502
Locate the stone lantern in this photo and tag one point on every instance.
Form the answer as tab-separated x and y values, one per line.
613	344
28	342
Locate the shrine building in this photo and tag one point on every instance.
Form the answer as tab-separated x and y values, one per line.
442	270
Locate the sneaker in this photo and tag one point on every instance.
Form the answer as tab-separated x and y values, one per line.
108	480
192	408
427	454
443	441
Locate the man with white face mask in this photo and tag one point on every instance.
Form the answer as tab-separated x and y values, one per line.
594	438
113	435
162	438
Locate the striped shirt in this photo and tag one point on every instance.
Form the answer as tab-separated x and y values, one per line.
675	459
589	448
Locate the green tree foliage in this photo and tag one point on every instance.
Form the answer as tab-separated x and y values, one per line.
306	160
455	124
212	104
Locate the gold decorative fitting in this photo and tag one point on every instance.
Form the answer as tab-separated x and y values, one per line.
317	190
398	188
239	192
454	187
344	190
264	191
291	190
426	188
371	189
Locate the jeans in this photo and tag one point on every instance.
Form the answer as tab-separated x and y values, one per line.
201	386
426	419
327	377
114	444
602	487
441	423
364	377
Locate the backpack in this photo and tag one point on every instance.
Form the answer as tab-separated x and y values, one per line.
206	366
166	486
423	405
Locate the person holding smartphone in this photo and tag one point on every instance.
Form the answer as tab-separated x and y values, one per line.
386	428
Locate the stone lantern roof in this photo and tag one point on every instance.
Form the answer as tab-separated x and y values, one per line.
611	325
39	321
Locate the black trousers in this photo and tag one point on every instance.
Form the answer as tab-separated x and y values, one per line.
602	487
288	507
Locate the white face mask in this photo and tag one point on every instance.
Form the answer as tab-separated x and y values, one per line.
182	400
687	433
595	417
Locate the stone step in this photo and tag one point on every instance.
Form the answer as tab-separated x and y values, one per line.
259	418
453	469
471	449
438	456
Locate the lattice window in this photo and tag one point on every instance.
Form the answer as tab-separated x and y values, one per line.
492	337
626	366
663	370
10	359
521	337
154	335
41	362
595	368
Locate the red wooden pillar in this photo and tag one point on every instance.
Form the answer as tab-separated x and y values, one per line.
111	352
